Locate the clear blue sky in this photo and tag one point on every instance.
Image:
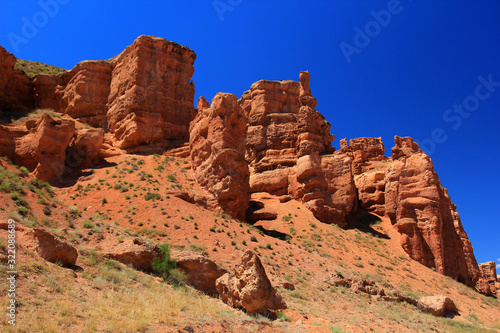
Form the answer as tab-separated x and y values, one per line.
419	62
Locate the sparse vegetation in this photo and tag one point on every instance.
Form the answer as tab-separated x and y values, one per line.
32	68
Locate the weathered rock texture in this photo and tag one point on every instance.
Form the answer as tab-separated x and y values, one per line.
15	86
52	249
142	96
39	145
271	140
440	306
249	288
421	210
217	142
134	252
289	150
489	274
201	272
82	92
140	99
151	93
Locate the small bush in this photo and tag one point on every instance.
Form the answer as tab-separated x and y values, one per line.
162	264
24	171
23	211
152	196
283	317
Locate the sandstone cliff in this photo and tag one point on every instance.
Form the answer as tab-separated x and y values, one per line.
271	140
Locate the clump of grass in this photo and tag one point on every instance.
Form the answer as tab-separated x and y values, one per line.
152	196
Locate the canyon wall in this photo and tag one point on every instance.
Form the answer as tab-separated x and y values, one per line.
270	140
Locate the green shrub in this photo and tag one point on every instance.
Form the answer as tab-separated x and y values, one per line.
152	196
162	264
23	211
24	170
283	317
87	224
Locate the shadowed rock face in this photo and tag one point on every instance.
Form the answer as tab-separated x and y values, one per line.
217	142
15	86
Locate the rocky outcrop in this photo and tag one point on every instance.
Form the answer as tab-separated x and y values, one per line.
52	249
249	288
15	87
357	285
489	274
43	149
218	153
84	150
151	93
421	210
82	92
288	147
134	252
201	272
440	306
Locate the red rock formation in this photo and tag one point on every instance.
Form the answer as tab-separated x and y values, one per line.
82	92
151	94
287	146
134	252
15	87
52	249
201	272
43	150
421	210
85	148
440	306
142	96
489	274
218	153
249	288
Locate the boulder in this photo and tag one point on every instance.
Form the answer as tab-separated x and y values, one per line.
201	272
249	288
218	153
440	306
53	249
84	148
134	252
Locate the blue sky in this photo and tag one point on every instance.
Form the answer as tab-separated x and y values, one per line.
378	68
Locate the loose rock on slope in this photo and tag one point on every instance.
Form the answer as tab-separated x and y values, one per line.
249	288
